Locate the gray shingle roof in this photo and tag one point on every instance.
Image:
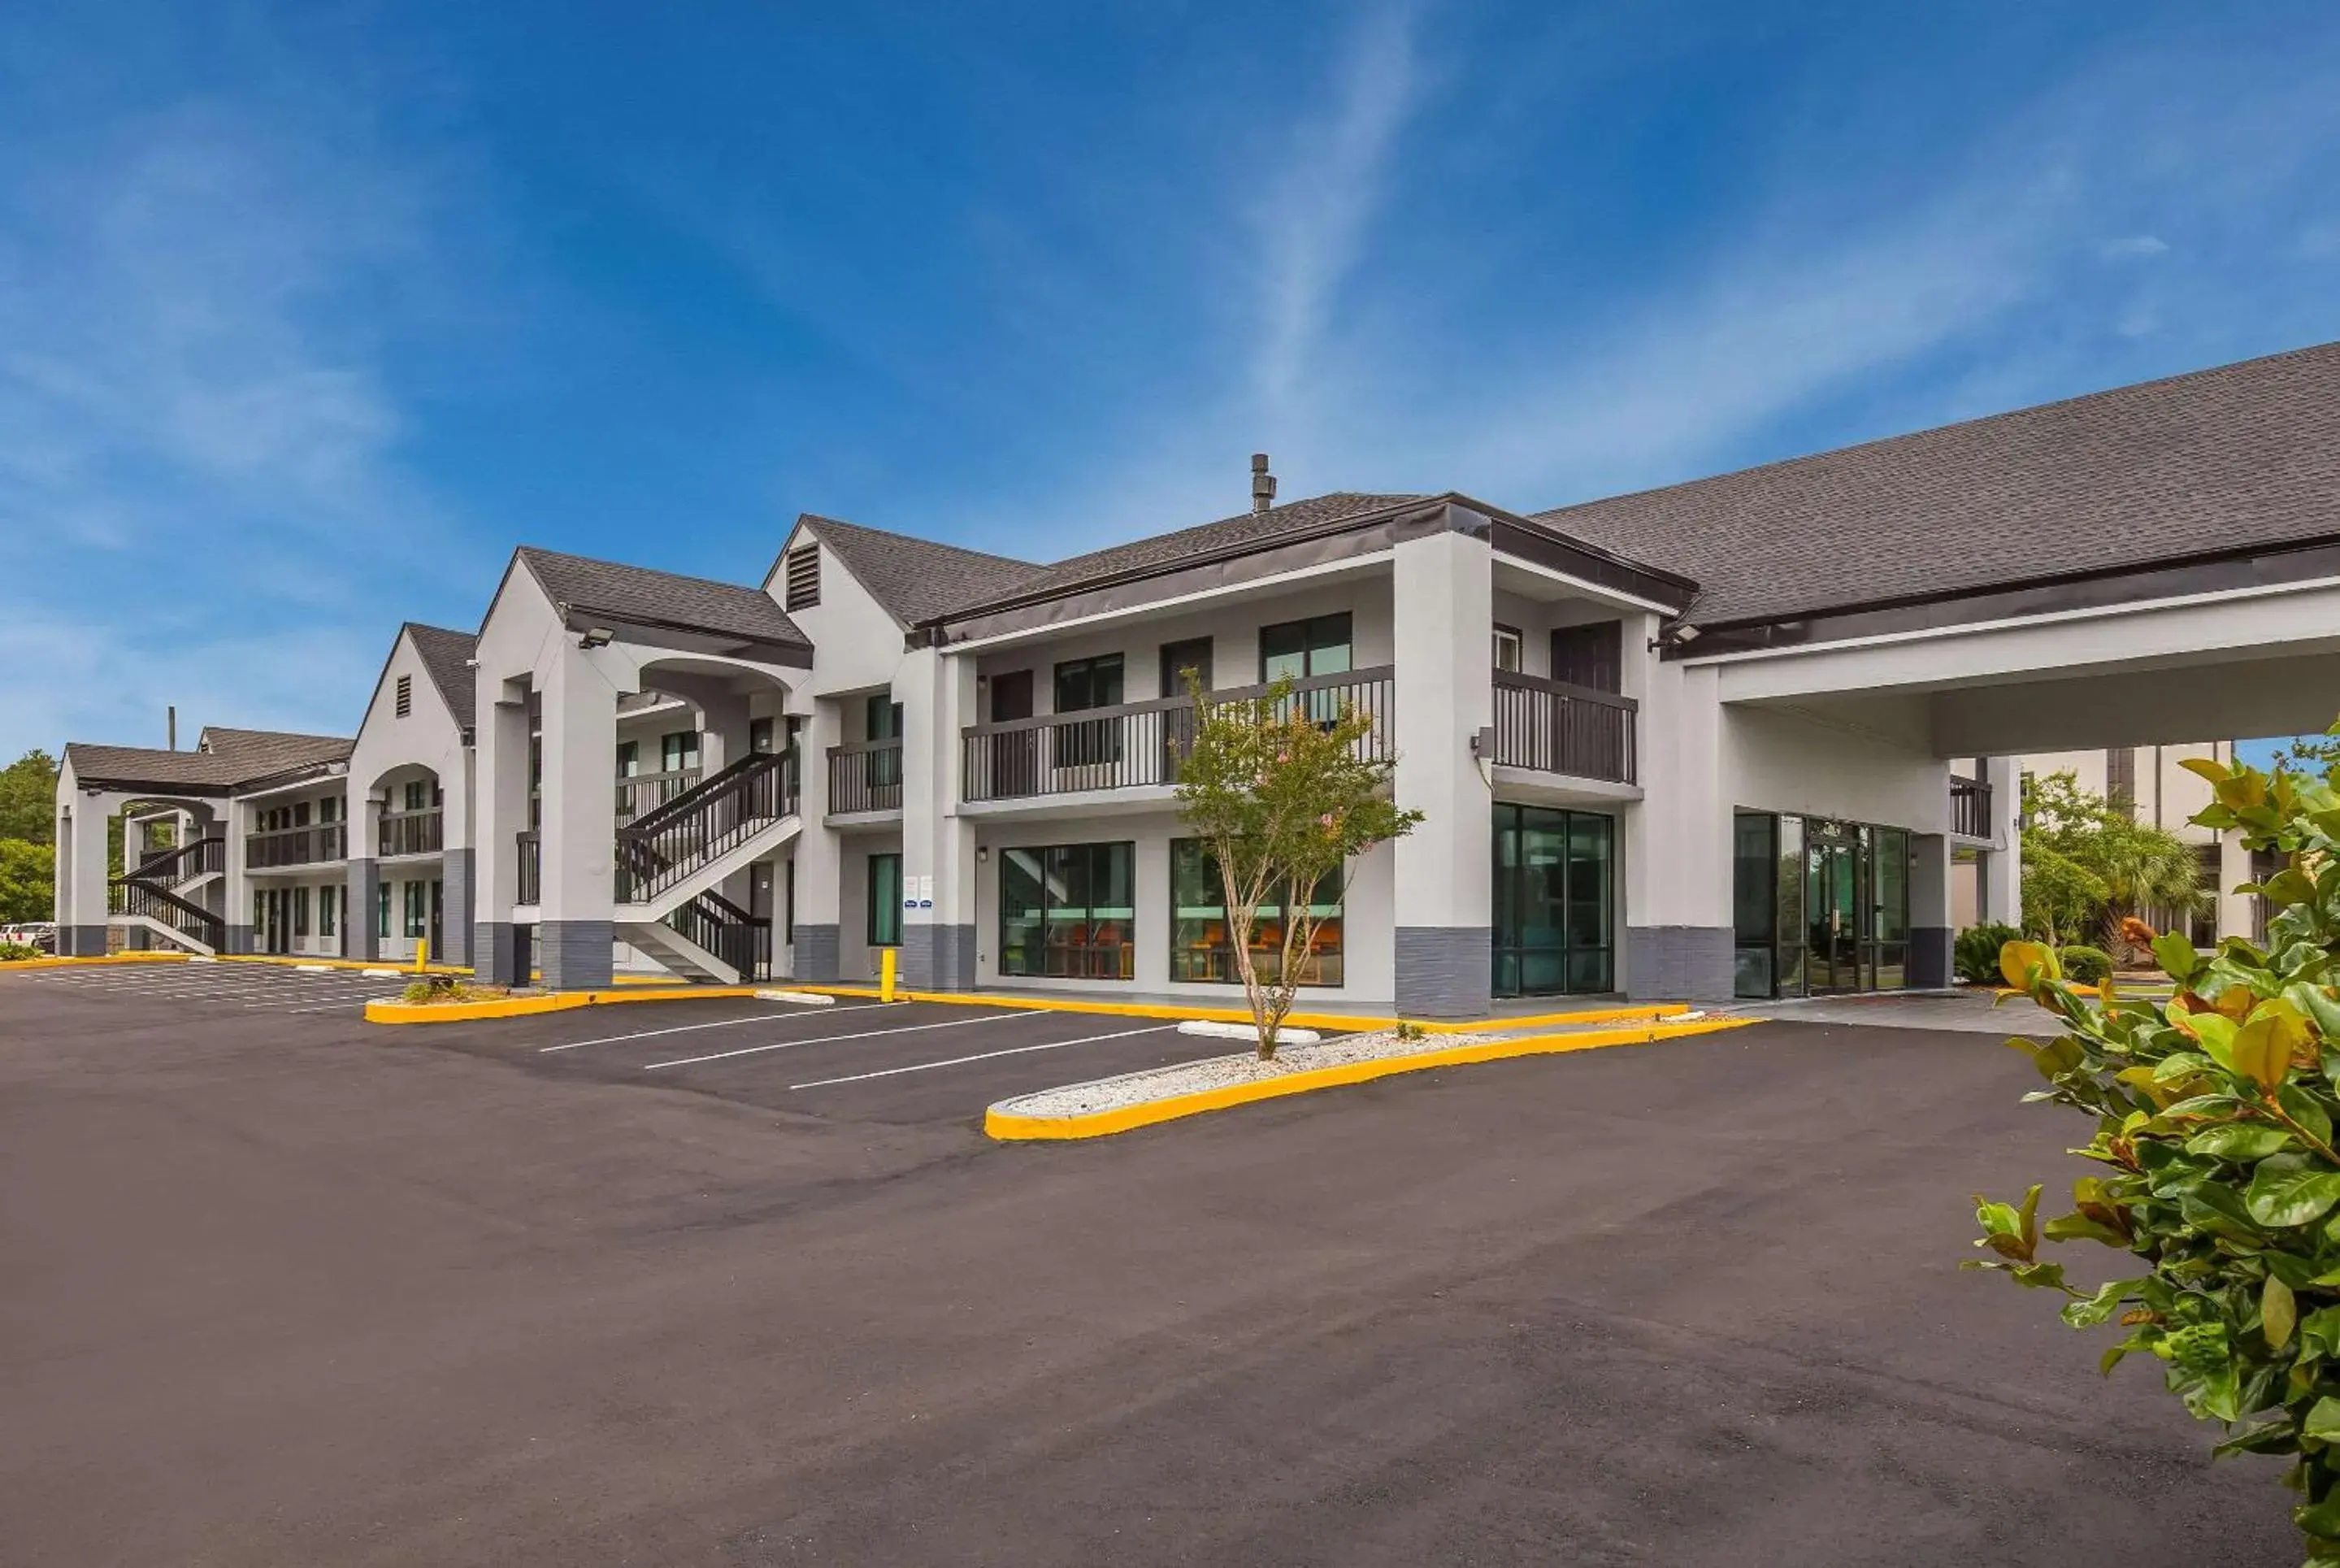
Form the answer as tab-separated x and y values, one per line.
1166	550
445	655
224	759
917	579
2243	455
663	597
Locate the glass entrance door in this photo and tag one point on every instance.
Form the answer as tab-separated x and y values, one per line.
1832	913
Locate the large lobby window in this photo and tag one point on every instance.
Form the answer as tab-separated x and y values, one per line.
1554	915
1068	911
1201	949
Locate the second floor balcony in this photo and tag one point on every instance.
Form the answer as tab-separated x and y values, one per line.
1969	808
285	847
1137	745
421	832
865	776
1555	726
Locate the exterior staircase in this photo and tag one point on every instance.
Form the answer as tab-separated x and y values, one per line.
671	860
155	897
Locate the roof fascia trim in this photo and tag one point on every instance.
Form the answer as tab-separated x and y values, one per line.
2064	595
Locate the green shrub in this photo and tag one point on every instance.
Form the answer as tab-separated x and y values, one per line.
2085	966
437	988
2218	1178
14	952
1975	954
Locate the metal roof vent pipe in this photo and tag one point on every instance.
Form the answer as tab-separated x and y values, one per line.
1262	483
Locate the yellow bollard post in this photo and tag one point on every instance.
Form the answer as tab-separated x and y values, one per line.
886	956
421	953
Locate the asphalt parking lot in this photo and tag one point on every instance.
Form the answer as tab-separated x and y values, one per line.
164	990
286	1287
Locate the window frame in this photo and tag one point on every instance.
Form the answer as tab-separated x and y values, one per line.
1518	643
1312	644
1043	956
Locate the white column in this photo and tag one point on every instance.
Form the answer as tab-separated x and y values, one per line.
1443	588
937	696
1678	847
817	955
580	811
81	875
235	886
2237	912
500	813
2002	867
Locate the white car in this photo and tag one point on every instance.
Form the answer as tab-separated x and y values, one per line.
39	934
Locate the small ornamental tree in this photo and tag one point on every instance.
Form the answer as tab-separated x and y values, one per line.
1284	796
2219	1180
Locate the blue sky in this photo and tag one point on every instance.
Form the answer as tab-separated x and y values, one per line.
309	313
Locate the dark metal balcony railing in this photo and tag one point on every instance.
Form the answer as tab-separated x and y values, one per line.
417	832
1554	727
295	845
642	793
866	776
1139	743
1969	808
530	885
661	848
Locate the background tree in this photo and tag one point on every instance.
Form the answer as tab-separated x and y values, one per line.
28	805
2088	861
28	799
27	881
1283	798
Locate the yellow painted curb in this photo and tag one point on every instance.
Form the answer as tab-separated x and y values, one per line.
1348	1022
1009	1128
71	960
390	1011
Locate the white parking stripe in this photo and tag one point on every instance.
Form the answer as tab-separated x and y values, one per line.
832	1039
717	1024
981	1057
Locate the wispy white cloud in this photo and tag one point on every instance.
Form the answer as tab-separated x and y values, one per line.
2136	245
1321	204
199	445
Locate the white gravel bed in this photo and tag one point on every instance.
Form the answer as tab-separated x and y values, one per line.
1219	1072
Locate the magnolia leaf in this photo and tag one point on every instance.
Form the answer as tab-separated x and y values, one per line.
2214	1030
2317	1002
2180	1065
2322	1423
2023	965
2077	1227
2238	1141
2319	1333
2286	1191
2176	956
2260	1053
2274	1437
2209	768
2278	1313
2307	1110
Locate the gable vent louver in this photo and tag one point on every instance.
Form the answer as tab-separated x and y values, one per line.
406	695
804	576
